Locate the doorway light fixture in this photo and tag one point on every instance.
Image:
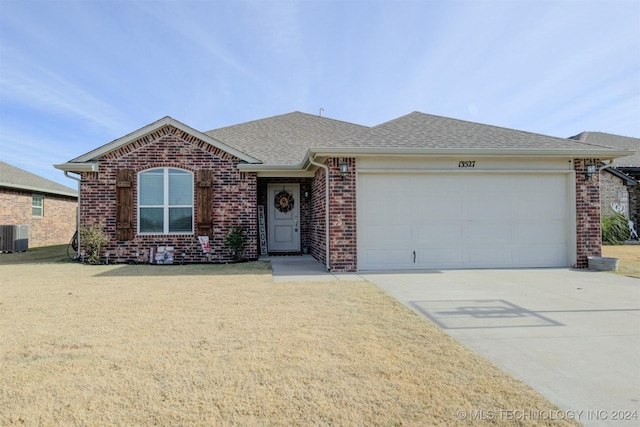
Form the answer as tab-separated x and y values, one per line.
344	169
591	170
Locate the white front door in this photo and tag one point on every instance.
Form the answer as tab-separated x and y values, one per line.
283	217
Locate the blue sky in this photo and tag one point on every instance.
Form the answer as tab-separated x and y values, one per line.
75	75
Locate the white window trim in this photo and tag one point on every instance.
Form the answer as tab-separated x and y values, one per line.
166	206
41	207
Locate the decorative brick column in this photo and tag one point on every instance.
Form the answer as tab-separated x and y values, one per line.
343	252
588	237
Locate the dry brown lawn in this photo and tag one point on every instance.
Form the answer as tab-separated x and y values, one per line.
629	258
225	345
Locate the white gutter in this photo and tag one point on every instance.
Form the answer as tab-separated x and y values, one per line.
78	167
326	209
79	180
604	152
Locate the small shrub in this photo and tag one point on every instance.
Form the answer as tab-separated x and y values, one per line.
236	240
615	229
93	238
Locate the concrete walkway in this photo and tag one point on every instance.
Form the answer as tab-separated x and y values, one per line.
574	336
303	268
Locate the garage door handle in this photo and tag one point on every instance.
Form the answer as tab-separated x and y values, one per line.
414	257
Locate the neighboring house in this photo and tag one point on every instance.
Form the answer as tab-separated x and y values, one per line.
48	208
417	192
619	180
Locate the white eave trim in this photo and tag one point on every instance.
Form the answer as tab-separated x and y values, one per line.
278	170
78	167
486	152
166	121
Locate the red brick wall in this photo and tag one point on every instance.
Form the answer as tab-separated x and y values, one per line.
342	217
589	237
317	222
55	227
234	196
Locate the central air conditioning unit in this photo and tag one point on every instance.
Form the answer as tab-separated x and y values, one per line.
14	238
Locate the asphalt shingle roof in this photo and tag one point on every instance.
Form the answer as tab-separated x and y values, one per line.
616	141
285	139
420	130
13	177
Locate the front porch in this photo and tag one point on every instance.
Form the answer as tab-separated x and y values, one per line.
297	225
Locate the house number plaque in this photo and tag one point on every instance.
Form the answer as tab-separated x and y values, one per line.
467	164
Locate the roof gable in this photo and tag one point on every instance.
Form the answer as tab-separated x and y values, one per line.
13	177
87	160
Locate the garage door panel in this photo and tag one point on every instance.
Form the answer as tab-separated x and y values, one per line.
540	207
384	212
438	233
436	206
439	258
488	233
497	256
542	256
396	258
535	233
489	206
377	234
476	220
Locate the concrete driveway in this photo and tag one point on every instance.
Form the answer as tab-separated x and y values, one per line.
574	336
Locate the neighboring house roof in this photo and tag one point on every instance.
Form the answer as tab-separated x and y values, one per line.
13	177
617	141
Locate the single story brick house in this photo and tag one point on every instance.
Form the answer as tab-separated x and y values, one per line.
48	209
619	179
417	192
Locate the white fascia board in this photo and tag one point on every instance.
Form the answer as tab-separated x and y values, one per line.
78	167
323	153
275	170
166	121
286	174
368	151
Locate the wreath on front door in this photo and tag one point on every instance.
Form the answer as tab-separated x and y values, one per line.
284	201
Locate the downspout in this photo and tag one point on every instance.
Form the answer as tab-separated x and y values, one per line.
326	209
66	173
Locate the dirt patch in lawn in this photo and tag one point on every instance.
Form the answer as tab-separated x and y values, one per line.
225	345
629	258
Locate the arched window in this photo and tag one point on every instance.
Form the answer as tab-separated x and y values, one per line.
165	201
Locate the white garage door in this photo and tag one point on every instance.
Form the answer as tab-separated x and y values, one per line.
480	220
